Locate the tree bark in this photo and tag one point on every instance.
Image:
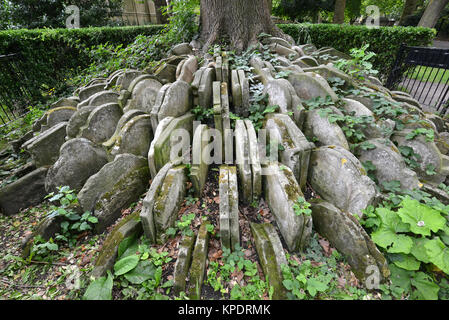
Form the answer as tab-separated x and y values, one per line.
432	13
239	22
270	5
162	19
409	9
339	12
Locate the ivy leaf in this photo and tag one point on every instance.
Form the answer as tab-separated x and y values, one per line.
421	218
426	289
100	289
126	264
438	254
400	278
314	286
143	271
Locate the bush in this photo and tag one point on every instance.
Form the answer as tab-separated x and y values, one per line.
384	41
51	56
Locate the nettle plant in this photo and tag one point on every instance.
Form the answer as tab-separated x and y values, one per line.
413	230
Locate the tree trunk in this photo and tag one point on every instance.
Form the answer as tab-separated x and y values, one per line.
239	22
339	13
409	9
270	5
162	19
432	13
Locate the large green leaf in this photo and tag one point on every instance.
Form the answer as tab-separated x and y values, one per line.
387	235
438	254
426	289
126	264
100	289
421	218
406	262
145	270
400	277
127	246
419	251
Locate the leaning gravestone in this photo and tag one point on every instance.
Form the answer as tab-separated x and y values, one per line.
101	123
135	137
79	159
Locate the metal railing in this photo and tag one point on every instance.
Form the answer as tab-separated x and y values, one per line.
424	73
14	95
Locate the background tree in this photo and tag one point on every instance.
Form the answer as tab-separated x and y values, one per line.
239	22
32	14
160	4
302	10
339	12
409	8
432	14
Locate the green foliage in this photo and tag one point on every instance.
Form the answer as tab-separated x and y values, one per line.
302	207
137	270
359	66
100	289
66	207
183	225
410	157
429	133
383	41
202	114
413	231
219	276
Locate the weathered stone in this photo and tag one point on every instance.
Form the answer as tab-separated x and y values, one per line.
327	54
242	153
225	68
177	102
271	256
126	78
345	234
135	137
281	193
126	191
44	148
168	203
47	228
128	227
236	91
284	51
144	93
58	115
105	180
306	62
227	131
27	191
327	133
279	41
157	106
339	177
87	92
127	116
103	97
244	84
186	69
166	73
409	100
295	152
198	267
164	148
254	160
216	99
328	71
308	48
437	121
205	88
311	85
430	156
182	264
182	49
160	128
390	165
200	168
442	142
229	222
17	144
77	121
101	123
219	68
79	159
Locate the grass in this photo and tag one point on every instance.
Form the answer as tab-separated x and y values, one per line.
431	74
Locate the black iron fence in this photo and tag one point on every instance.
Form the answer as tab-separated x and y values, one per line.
424	73
14	94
